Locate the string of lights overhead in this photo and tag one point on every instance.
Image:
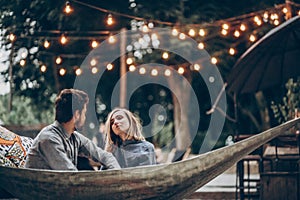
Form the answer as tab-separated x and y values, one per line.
233	27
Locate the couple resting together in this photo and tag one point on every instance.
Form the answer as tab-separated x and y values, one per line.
58	145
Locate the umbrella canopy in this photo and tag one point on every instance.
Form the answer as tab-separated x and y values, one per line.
270	62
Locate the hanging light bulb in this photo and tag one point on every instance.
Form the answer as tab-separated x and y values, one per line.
110	20
192	32
78	72
197	67
68	9
180	70
214	60
231	51
142	70
129	61
94	70
243	27
167	72
236	33
165	55
132	68
63	39
201	45
62	71
111	39
93	62
252	38
225	26
224	32
22	62
109	66
43	68
175	32
58	60
154	72
94	44
46	44
202	32
12	37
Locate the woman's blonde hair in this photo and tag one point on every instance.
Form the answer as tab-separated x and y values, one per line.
134	131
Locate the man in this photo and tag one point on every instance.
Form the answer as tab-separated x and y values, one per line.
58	145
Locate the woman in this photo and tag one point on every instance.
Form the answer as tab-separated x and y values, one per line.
125	140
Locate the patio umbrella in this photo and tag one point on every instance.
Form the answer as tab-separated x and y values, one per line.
270	62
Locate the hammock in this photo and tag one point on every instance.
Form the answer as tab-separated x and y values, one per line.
166	181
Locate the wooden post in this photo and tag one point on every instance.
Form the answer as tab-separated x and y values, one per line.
10	74
123	68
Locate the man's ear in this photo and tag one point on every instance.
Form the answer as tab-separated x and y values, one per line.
76	115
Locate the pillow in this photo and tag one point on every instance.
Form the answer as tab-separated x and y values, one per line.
13	148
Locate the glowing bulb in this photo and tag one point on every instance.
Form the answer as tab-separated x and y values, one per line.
110	20
231	51
43	68
167	72
201	45
46	44
94	70
109	66
192	32
224	32
214	60
142	70
225	26
180	70
299	12
165	55
182	36
284	10
202	32
236	33
132	68
78	72
242	27
276	22
197	67
94	44
175	32
145	29
58	60
68	8
252	38
63	39
22	62
12	37
93	62
154	72
150	25
266	15
129	61
62	71
111	39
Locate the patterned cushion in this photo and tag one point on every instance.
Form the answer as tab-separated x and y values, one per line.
13	148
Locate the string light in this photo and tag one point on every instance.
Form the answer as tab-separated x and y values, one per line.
132	68
78	72
192	32
93	62
94	70
236	33
68	8
231	51
22	62
109	66
43	68
62	71
182	36
242	27
109	20
252	38
180	70
224	32
94	44
46	44
63	39
201	45
197	67
154	72
12	37
58	60
225	26
167	72
111	39
202	32
129	61
175	32
165	55
214	60
142	70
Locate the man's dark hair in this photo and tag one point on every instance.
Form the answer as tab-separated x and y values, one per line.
67	101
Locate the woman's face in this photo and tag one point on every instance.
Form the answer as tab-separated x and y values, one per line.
120	123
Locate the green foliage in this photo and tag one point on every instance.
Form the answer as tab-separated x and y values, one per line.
289	107
24	112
